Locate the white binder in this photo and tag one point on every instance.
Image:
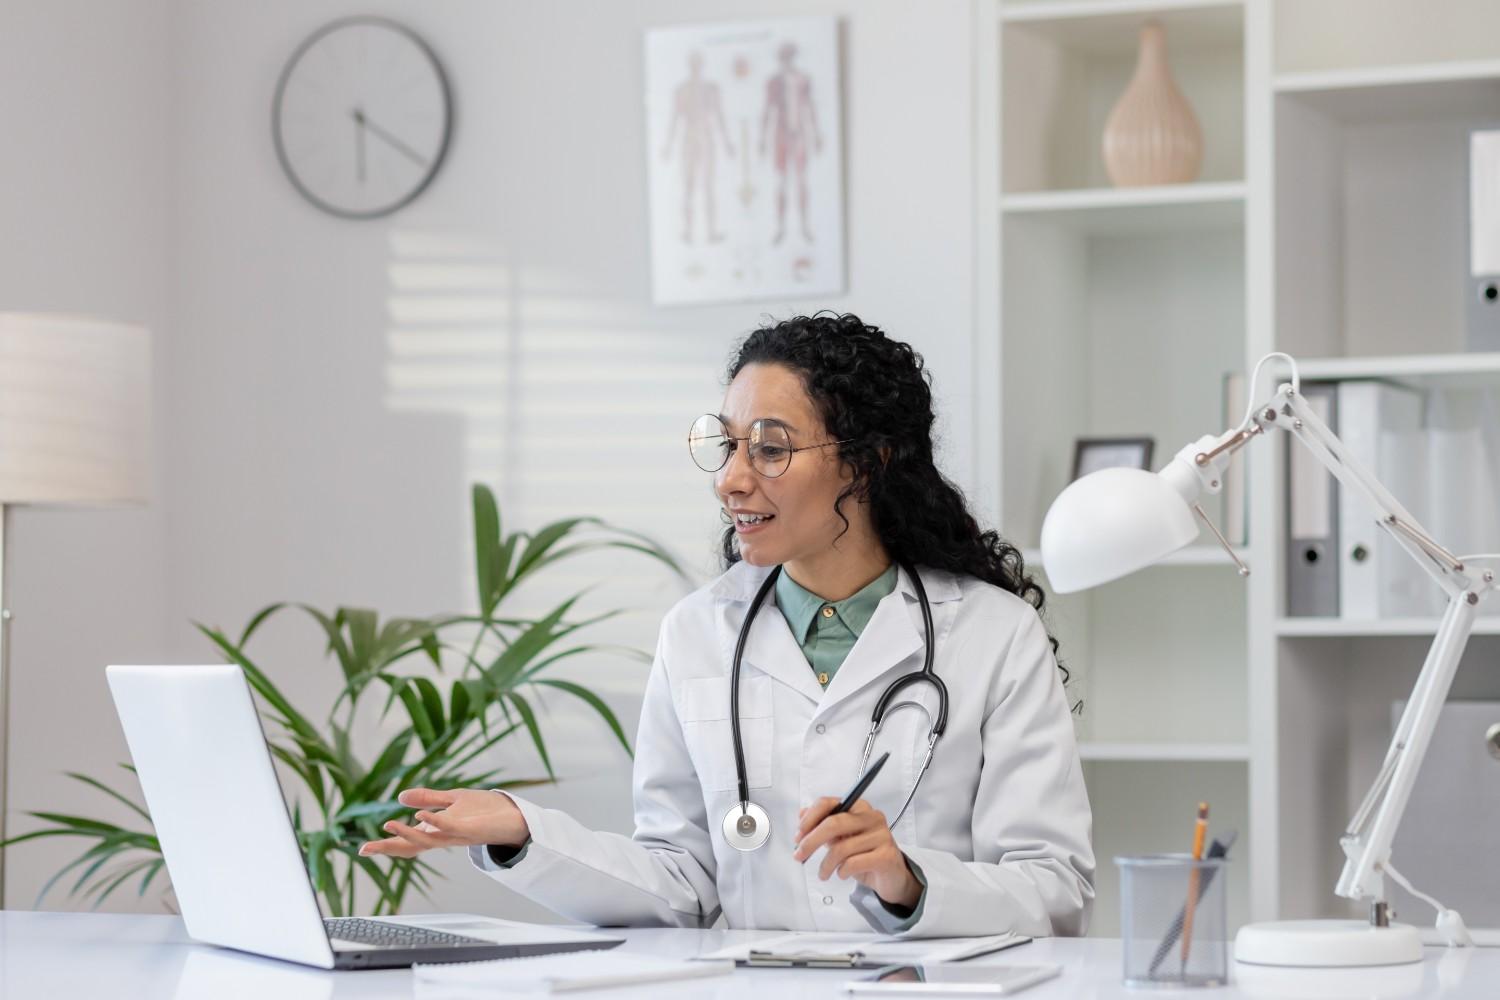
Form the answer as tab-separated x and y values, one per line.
1381	426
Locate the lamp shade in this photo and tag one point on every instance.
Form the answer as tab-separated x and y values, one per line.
1111	523
74	410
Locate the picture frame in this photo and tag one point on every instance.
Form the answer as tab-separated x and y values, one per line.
1093	454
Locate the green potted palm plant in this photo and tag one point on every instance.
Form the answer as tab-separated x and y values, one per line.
459	686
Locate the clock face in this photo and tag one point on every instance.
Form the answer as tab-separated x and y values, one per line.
361	117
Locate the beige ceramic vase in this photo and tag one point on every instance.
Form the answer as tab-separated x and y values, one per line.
1152	135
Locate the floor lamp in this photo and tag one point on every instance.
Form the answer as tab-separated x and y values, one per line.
74	432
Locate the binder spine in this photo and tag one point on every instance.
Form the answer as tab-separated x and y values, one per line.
1312	526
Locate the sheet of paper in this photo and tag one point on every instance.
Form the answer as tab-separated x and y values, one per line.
566	971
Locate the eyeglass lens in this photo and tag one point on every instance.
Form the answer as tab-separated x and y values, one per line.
768	444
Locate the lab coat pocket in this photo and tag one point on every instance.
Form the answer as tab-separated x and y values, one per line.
704	710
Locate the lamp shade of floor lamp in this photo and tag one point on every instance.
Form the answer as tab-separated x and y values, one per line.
74	432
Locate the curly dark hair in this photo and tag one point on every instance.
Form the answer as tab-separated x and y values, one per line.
874	395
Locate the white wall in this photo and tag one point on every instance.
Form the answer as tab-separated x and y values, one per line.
336	385
83	229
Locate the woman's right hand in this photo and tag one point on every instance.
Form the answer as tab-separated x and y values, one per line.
463	817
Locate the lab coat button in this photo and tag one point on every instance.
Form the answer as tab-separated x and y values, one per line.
827	900
821	729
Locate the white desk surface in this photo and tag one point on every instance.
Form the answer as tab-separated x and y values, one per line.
63	956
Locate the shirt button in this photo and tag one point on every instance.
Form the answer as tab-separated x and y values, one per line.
827	611
821	729
827	900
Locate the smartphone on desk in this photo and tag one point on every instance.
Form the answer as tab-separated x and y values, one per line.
947	979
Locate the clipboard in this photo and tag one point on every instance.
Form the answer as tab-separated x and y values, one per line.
807	960
801	951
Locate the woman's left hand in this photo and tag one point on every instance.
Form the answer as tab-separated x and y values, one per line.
860	846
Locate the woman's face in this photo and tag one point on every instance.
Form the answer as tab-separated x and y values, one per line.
799	504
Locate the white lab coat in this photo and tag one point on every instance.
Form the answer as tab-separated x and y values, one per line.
999	828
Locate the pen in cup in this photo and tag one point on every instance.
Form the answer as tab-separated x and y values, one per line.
1218	850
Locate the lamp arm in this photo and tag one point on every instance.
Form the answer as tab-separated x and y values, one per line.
1367	840
1290	410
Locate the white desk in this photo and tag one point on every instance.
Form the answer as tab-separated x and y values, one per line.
63	956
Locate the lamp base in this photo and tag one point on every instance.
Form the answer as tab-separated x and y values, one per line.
1327	943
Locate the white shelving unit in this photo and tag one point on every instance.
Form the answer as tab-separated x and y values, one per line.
1099	300
1328	222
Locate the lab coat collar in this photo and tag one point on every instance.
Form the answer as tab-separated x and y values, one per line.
741	581
893	634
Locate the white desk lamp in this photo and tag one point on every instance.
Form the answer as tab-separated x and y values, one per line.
74	419
1115	521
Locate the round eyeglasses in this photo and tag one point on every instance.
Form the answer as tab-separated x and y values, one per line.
768	444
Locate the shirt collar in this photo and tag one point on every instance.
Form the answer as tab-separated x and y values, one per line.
740	581
799	606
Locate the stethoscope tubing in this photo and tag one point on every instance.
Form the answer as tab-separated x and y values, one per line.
734	684
927	674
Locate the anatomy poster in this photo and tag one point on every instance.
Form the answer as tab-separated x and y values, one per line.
745	163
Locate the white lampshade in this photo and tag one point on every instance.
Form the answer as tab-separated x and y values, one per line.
74	410
1111	523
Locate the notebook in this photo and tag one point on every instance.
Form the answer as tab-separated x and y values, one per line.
579	970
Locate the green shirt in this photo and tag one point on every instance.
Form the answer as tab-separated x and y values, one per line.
827	630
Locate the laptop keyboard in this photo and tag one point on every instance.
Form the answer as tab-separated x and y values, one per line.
384	934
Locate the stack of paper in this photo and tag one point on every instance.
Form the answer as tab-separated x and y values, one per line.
558	973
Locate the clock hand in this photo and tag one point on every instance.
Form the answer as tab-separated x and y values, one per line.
359	142
395	143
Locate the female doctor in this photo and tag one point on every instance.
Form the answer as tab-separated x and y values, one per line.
823	464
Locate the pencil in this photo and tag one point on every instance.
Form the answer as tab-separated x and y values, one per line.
1218	849
1200	830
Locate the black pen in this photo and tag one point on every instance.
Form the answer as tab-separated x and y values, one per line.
861	785
1219	849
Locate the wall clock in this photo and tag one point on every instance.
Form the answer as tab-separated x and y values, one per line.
362	117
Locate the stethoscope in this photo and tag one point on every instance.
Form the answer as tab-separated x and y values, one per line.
746	825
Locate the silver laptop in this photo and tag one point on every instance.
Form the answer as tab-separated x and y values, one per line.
240	878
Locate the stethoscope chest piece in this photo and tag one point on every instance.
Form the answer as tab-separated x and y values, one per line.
746	826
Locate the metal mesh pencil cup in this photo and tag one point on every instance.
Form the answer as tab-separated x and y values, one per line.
1169	941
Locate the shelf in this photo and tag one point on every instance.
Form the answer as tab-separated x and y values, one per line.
1105	27
1193	555
1337	628
1147	752
1116	211
1424	370
1398	93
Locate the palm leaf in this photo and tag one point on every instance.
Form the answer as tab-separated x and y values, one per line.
487	567
595	702
258	620
523	708
114	880
94	782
